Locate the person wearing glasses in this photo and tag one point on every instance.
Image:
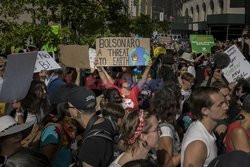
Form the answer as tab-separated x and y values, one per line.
140	133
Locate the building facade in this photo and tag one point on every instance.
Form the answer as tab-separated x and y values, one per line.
138	7
224	19
167	8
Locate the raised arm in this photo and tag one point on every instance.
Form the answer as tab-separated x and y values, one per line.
145	75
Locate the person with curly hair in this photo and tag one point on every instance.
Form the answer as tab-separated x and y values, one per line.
166	104
140	133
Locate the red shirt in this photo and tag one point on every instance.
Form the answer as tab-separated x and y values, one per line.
230	128
130	101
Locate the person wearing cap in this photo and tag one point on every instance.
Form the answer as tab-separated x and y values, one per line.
238	132
207	106
10	135
93	151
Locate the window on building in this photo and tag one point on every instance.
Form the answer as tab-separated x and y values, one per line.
186	12
204	8
237	3
212	6
221	4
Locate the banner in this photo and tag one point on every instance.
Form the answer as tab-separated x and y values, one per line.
17	76
45	62
201	43
122	51
239	67
76	56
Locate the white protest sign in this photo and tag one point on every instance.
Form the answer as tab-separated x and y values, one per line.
239	67
45	62
92	56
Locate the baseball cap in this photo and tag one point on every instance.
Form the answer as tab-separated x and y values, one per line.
233	159
82	98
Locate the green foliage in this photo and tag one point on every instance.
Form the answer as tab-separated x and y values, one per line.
82	21
162	26
143	26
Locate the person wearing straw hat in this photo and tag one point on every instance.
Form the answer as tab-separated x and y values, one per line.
188	58
10	135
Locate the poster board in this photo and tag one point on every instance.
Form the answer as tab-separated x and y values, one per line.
45	62
165	40
239	67
17	76
123	51
76	56
201	43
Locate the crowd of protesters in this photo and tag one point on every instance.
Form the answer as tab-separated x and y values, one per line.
177	111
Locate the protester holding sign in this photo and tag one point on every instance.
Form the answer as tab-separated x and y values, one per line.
128	91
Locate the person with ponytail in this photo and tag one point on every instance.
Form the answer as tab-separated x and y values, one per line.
140	134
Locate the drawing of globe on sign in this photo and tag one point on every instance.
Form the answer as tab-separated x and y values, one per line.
138	57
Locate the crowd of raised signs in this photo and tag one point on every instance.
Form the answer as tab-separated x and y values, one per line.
179	110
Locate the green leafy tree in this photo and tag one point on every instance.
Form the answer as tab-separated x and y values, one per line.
142	26
81	21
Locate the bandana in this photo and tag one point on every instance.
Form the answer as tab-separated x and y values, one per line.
138	130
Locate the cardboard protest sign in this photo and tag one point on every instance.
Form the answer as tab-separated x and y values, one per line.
18	76
239	67
166	40
201	43
45	62
76	56
122	51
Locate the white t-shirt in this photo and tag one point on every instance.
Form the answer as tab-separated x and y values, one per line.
192	71
186	93
197	131
115	162
167	130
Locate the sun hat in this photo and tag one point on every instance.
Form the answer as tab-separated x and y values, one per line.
9	126
187	56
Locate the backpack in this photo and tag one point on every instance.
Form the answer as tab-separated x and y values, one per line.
33	139
90	133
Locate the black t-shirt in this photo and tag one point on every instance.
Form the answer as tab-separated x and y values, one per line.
98	151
